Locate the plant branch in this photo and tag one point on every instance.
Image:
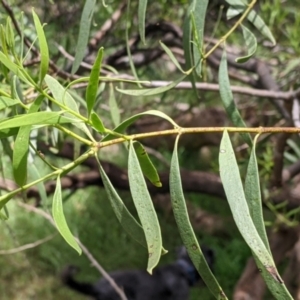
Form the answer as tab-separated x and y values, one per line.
180	130
233	28
28	246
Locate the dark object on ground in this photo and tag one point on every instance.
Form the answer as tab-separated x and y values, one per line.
169	282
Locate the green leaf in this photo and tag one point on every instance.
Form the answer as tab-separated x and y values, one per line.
153	91
122	127
97	123
128	43
5	133
9	33
84	32
227	98
172	57
253	197
92	88
251	44
126	219
44	51
22	74
145	209
187	46
39	118
3	40
146	164
113	106
141	19
185	228
7	102
62	96
234	191
21	147
59	218
198	14
238	7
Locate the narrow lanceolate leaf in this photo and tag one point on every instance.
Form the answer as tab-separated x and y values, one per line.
253	196
227	98
172	57
39	118
126	219
153	91
44	52
234	191
92	88
14	68
59	218
199	14
97	123
7	102
251	44
61	95
146	164
142	17
122	127
21	147
84	32
186	231
113	106
145	209
187	47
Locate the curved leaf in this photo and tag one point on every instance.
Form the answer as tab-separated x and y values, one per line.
38	118
113	106
7	102
253	197
227	98
84	32
63	97
146	164
234	191
142	16
172	57
186	231
59	218
21	147
251	44
44	51
92	88
21	73
126	219
122	127
145	209
97	123
153	91
198	16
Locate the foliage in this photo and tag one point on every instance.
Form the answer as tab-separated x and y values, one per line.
57	112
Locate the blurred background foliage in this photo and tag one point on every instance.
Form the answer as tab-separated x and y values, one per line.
34	273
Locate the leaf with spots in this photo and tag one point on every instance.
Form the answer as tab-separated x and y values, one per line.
145	209
234	191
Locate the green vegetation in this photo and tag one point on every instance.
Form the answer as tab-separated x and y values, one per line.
75	97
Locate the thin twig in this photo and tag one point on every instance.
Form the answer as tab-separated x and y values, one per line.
28	246
82	246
